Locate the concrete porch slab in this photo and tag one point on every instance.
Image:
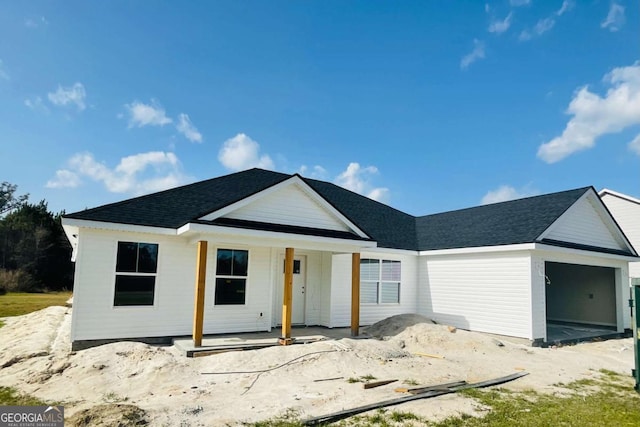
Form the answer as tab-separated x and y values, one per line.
212	344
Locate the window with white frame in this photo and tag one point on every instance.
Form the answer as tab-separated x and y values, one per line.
379	281
231	276
136	268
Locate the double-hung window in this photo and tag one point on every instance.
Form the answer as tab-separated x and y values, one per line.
231	276
379	281
136	268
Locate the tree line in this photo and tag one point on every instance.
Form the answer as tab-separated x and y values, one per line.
35	254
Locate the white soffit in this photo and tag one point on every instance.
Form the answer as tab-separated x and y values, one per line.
291	202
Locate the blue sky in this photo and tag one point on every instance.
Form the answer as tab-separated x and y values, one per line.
426	106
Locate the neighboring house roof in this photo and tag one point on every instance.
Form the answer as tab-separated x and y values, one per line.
512	222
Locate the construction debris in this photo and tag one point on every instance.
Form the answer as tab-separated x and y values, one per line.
375	384
341	415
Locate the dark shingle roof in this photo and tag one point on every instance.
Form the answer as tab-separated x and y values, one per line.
517	221
177	206
506	223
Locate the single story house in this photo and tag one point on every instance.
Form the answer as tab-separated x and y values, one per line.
258	249
626	211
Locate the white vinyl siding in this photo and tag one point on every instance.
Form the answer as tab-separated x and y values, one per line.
290	206
370	313
582	224
627	214
95	317
480	292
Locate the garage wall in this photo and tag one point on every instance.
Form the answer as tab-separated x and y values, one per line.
488	292
581	294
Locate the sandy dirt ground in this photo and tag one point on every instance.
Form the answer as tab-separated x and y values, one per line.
172	390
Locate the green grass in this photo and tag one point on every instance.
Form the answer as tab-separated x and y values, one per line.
10	397
608	400
19	303
1	323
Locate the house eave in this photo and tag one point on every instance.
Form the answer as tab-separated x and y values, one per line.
114	226
198	231
478	249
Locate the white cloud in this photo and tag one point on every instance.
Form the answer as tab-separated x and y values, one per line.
615	18
4	74
241	152
567	5
487	8
69	95
476	54
137	174
595	115
505	193
146	114
634	145
317	172
546	24
187	128
518	3
500	27
357	179
64	179
36	104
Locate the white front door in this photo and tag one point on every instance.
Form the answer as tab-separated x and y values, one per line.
298	291
299	285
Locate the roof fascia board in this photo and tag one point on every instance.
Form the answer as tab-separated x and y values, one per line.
583	252
284	239
605	214
294	180
479	249
605	191
383	250
115	226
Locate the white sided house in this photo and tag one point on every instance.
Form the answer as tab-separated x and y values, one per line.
626	211
256	250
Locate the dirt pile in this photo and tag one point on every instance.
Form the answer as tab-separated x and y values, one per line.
159	385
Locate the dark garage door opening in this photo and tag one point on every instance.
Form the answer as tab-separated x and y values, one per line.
580	301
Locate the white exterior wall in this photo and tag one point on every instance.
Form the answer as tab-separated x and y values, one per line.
95	317
370	313
627	215
255	314
487	292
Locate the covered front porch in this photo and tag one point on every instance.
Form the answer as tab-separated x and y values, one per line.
268	284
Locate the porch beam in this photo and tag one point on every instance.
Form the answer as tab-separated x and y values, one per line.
198	305
287	298
355	294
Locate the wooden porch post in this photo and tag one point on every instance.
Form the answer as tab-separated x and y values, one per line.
287	297
355	294
198	306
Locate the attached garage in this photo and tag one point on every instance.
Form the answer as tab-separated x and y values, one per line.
580	294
